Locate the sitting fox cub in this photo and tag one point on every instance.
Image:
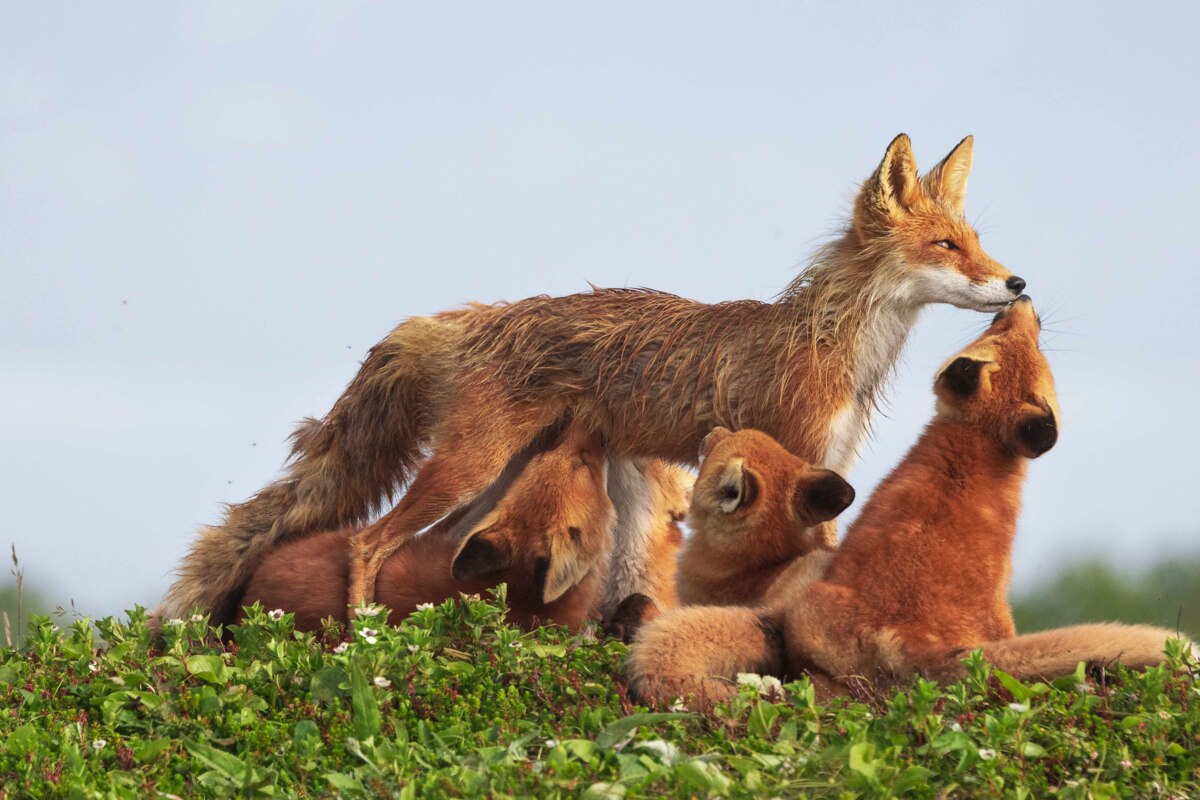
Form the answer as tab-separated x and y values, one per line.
922	576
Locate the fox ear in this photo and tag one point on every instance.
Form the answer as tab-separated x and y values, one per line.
822	497
714	437
961	378
483	552
895	185
736	488
948	180
566	567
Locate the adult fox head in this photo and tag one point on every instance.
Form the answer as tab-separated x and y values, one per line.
749	485
1002	382
918	223
552	527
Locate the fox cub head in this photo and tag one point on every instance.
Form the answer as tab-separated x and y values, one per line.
553	525
749	485
934	253
1003	383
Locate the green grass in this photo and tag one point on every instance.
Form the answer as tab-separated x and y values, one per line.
453	702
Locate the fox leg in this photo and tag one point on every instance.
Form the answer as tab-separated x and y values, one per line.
476	442
695	653
628	571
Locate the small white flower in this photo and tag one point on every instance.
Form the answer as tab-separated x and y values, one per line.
55	628
424	606
382	682
474	598
1020	708
551	743
1083	688
412	648
987	753
954	726
515	645
93	666
368	632
1164	714
99	744
370	639
677	705
750	679
366	611
197	617
175	621
770	685
341	648
277	614
1126	763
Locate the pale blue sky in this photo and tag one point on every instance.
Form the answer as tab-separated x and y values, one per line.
208	213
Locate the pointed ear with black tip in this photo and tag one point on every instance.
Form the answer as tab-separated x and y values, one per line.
1036	434
714	437
737	488
960	379
894	186
822	496
947	181
482	553
567	566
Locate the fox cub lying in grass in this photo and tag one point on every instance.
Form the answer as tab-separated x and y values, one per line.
549	538
922	576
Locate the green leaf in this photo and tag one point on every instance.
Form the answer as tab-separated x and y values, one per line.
227	764
326	685
150	749
605	791
616	732
1032	750
1019	691
762	717
343	783
364	706
207	668
703	775
862	760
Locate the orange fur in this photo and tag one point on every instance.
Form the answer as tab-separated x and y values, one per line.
548	539
755	509
475	388
923	574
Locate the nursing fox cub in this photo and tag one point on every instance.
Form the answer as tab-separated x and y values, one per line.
922	576
548	538
444	404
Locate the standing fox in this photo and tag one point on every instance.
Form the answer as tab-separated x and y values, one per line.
922	576
473	389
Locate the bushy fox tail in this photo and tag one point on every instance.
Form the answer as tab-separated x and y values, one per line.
1055	653
341	470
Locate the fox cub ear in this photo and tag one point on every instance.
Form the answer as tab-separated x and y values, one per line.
566	567
948	180
961	377
483	552
822	497
714	438
736	488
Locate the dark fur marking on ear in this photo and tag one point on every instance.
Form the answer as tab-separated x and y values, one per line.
478	557
962	376
1038	434
827	496
575	533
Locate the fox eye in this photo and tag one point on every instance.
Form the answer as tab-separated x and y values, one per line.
945	244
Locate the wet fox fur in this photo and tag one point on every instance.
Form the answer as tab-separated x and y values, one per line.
922	576
548	538
445	403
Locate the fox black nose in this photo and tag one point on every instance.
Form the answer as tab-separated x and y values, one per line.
1016	285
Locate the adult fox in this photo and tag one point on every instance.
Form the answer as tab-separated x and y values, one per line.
445	403
922	576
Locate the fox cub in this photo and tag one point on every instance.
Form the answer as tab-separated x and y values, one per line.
548	538
922	576
755	516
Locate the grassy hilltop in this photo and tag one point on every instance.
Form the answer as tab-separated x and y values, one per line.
455	703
